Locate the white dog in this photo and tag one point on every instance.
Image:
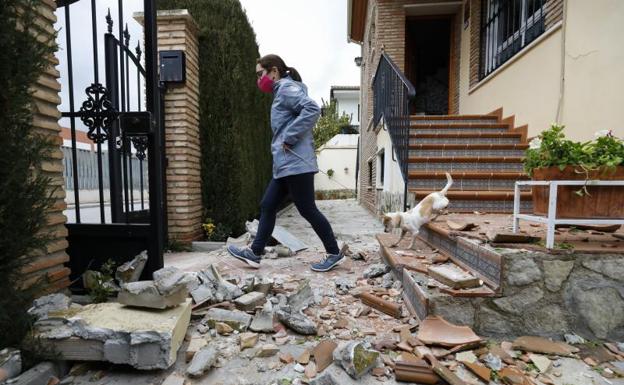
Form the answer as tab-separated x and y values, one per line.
424	212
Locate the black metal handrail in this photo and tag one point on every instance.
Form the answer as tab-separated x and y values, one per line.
392	94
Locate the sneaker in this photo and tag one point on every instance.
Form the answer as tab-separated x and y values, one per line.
329	262
245	254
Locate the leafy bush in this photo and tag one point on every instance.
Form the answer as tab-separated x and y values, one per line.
329	124
234	116
551	148
24	194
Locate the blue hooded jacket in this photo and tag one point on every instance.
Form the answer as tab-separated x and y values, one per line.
293	116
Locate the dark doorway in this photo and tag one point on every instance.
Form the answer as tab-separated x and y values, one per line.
427	54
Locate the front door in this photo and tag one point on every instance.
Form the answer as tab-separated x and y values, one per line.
427	56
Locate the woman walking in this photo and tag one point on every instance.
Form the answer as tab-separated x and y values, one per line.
293	116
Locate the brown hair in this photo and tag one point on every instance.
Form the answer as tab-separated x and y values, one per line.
269	61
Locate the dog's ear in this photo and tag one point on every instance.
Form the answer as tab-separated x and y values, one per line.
426	207
385	219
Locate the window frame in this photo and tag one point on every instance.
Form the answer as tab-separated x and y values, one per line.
495	49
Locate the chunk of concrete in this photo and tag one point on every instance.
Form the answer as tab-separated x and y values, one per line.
263	284
248	340
302	298
202	361
325	379
131	270
10	363
39	374
355	359
297	322
267	350
236	319
49	303
145	294
376	270
250	301
263	320
170	279
144	339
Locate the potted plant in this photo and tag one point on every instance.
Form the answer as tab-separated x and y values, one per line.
553	157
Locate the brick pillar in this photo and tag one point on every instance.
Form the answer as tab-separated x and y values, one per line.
178	31
48	264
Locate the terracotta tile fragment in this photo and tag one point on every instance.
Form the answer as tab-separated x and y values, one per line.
542	345
323	354
438	331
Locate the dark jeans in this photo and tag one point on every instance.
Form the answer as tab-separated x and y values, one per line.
301	190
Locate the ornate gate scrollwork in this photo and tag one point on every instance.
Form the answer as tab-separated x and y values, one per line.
98	113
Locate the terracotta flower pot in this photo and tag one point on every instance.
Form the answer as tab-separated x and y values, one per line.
602	202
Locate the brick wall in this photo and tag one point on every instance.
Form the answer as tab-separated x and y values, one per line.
178	31
49	264
553	10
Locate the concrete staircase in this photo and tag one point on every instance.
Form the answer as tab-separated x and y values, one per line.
482	153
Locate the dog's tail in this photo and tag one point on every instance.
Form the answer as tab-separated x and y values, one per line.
449	183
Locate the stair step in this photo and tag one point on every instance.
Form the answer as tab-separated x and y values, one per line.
484	201
466	138
443	127
454	118
467	149
425	180
460	163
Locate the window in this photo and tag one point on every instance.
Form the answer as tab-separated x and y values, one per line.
381	166
506	27
370	173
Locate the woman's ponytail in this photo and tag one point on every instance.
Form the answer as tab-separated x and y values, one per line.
269	61
294	74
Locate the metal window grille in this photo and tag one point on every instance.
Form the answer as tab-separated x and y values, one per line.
507	26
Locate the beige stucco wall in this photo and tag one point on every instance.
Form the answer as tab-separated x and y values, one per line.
528	86
340	159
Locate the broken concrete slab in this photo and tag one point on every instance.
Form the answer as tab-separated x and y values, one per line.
461	226
10	363
146	294
49	303
262	284
503	237
250	301
116	333
376	270
169	280
355	359
453	276
203	360
241	241
131	270
280	234
236	319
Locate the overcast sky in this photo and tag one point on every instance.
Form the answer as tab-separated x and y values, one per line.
308	35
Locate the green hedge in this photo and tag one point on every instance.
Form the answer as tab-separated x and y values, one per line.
234	115
24	194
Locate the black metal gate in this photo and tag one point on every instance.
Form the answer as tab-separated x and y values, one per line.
122	115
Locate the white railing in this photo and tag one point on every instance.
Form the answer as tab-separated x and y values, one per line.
551	219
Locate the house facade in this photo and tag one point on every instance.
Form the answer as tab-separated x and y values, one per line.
347	100
515	66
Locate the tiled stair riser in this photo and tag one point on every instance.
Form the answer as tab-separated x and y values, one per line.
465	166
455	121
475	140
466	152
456	130
465	184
